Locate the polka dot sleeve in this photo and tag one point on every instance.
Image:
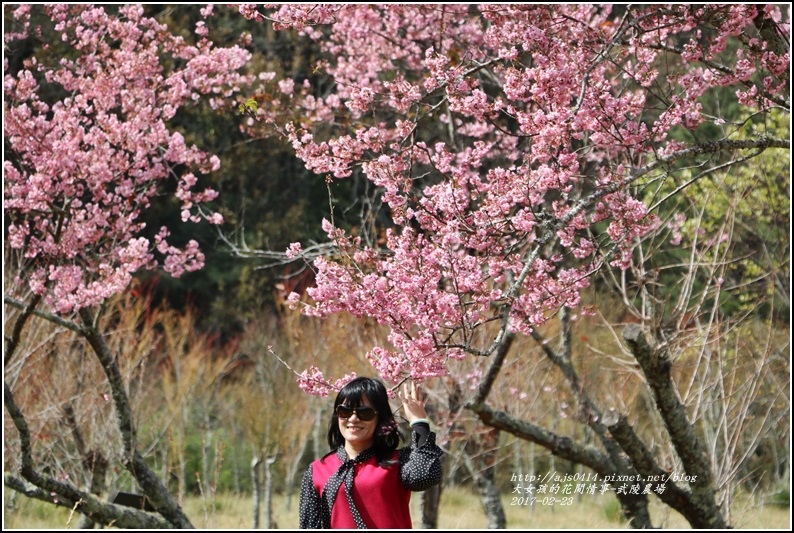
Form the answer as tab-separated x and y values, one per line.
310	514
420	464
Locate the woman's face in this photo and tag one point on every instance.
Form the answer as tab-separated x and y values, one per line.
358	434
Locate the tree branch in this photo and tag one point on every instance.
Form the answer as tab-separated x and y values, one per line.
713	147
656	366
66	494
560	446
648	468
12	342
158	495
55	319
504	342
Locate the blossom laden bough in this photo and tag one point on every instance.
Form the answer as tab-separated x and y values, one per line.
84	167
511	144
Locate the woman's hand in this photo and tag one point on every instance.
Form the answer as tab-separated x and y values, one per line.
413	405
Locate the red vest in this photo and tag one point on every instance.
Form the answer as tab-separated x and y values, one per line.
378	493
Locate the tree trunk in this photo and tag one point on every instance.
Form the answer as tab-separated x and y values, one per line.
256	489
292	472
700	507
430	502
162	500
269	524
95	463
206	446
480	458
490	497
479	454
635	507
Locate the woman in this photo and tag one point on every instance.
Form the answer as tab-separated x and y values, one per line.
365	482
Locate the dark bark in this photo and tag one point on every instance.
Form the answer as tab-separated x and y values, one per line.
81	501
635	507
656	366
95	463
66	494
12	341
479	457
560	446
673	495
99	511
495	366
162	500
431	498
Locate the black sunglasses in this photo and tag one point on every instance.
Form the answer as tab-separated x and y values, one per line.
364	414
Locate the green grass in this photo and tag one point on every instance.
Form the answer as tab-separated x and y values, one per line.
460	509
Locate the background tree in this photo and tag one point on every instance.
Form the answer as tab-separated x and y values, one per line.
88	150
512	148
267	195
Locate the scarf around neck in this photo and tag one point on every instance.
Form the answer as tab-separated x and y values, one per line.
344	474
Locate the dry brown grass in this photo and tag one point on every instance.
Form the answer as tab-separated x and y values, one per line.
460	509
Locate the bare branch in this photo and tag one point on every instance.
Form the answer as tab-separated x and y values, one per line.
68	495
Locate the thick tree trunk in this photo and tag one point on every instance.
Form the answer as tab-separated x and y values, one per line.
94	462
635	507
40	485
162	500
700	506
490	497
492	502
480	458
431	498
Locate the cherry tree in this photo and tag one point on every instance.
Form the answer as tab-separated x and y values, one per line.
88	95
518	150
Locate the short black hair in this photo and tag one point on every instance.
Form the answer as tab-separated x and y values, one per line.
385	441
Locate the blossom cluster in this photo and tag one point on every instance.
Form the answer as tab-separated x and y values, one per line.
87	165
506	141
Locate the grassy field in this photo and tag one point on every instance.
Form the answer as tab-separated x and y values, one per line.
460	509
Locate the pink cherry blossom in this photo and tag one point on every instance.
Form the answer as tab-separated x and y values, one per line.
86	166
510	145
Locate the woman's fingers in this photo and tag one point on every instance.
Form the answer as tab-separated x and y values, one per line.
411	392
413	404
416	392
